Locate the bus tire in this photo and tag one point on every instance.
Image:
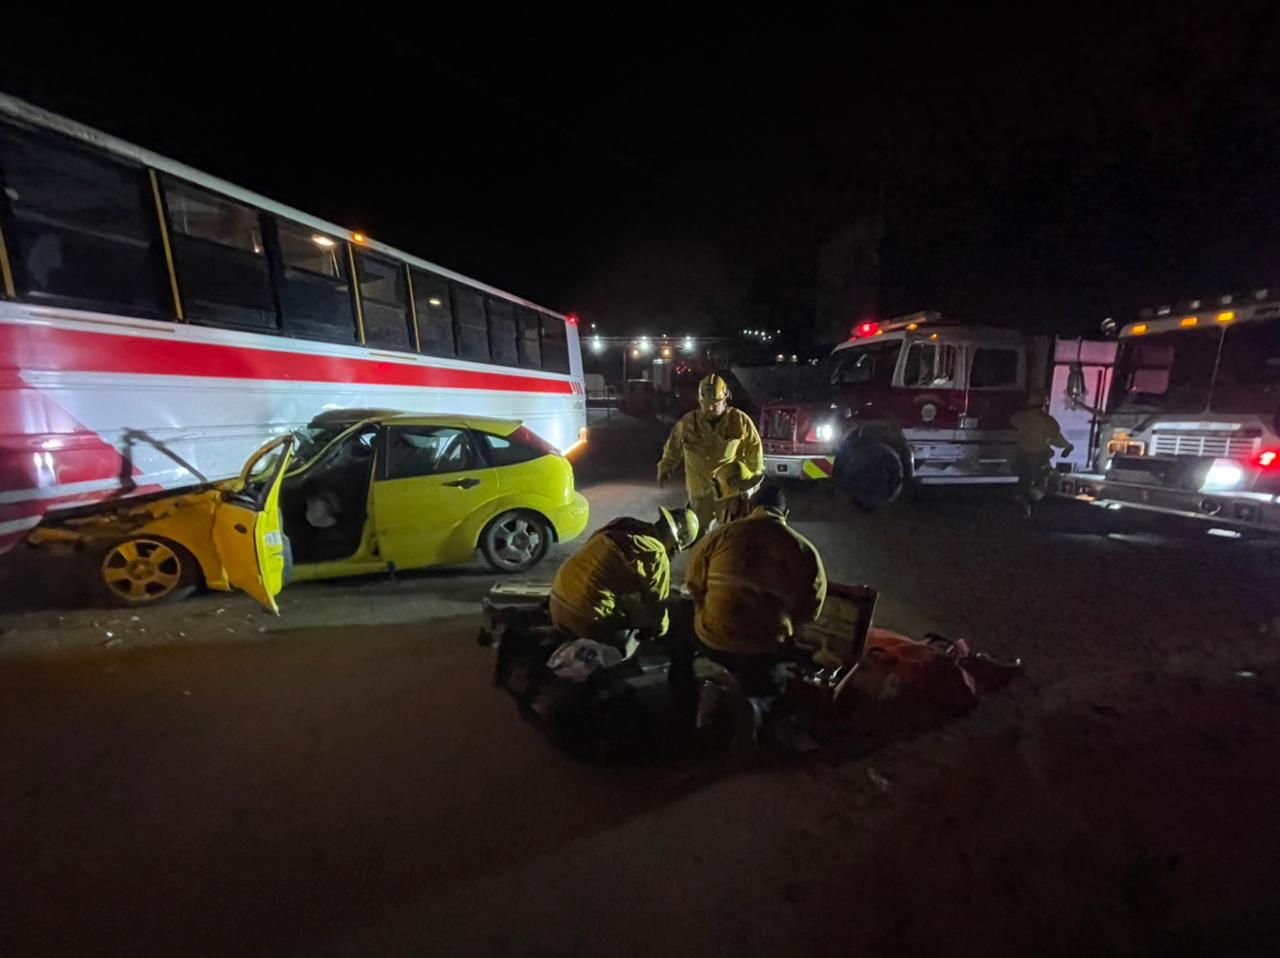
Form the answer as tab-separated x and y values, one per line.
515	541
144	570
872	474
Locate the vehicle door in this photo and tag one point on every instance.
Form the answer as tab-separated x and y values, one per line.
248	533
430	481
995	387
930	377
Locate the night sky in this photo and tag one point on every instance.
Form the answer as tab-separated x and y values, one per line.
1043	170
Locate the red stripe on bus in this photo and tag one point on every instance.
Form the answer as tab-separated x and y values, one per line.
73	350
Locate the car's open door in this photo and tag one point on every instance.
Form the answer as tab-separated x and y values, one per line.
247	528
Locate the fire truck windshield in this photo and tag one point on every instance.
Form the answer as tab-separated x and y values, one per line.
867	364
1174	371
1166	372
1249	373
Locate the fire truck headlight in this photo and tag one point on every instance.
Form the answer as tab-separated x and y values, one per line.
825	432
1223	475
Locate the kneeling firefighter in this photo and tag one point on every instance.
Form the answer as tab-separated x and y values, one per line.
707	438
754	582
620	579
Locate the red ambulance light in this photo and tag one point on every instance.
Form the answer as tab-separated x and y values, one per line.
1268	459
866	329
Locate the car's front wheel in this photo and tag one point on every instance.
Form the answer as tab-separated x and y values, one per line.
515	541
145	570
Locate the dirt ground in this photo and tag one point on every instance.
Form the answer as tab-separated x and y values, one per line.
344	779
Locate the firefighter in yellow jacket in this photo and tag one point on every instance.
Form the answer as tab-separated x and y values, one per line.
620	579
704	440
754	582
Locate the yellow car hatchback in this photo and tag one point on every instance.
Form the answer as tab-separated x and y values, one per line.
401	491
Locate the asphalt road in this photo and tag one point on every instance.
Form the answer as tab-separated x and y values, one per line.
206	779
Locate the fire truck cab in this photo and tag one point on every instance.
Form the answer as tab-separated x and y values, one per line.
913	399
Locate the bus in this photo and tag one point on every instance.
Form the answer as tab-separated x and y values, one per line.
158	324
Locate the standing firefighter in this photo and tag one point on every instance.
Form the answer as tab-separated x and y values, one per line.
620	578
707	438
1038	434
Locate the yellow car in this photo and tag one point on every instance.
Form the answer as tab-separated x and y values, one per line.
402	491
153	547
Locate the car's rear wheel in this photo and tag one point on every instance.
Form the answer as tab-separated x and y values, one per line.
515	541
145	570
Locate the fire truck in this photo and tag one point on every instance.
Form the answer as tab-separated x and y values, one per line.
1191	426
910	400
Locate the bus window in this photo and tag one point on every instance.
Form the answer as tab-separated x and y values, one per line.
315	294
530	341
435	317
555	345
473	332
502	331
81	228
384	302
223	276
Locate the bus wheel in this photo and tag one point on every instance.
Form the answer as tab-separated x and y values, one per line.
515	541
872	474
142	570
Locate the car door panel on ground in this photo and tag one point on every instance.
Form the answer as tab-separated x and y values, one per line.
429	494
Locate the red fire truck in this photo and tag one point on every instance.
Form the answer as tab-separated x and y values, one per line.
913	399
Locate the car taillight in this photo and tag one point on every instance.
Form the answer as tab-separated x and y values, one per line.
527	437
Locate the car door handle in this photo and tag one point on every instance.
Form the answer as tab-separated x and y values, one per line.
463	483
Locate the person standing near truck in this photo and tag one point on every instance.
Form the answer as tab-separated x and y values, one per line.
1038	434
707	438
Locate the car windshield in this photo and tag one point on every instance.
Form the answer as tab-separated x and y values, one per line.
312	439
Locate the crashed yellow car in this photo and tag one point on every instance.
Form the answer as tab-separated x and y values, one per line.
149	548
393	491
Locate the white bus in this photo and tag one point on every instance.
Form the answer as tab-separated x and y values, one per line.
158	324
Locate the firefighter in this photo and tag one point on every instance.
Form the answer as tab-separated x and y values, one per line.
620	579
754	582
734	485
1038	434
705	439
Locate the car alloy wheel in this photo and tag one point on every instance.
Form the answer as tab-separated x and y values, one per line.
515	541
144	571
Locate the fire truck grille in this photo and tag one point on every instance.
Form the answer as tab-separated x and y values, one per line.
780	424
1214	444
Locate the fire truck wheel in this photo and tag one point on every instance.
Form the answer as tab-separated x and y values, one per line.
872	473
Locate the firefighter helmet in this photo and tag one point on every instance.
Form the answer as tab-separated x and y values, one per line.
732	479
682	523
712	389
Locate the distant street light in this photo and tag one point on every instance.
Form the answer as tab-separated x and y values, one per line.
597	344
